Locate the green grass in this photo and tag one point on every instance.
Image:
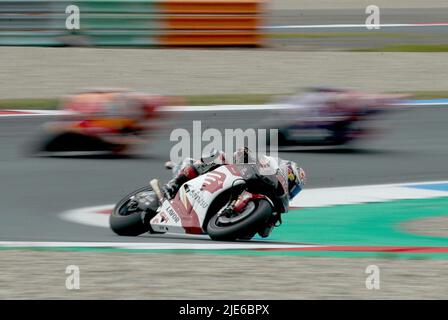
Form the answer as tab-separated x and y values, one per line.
43	104
323	35
199	100
428	94
398	47
439	47
194	100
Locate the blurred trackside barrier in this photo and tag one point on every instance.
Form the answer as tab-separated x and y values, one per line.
134	23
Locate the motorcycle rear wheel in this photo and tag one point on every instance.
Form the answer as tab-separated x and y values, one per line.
242	229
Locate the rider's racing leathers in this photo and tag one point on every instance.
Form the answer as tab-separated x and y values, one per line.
191	169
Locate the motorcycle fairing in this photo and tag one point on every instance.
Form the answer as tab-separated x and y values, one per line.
187	211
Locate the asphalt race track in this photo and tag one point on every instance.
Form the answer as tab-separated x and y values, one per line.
35	190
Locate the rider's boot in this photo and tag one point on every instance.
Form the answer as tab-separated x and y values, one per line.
187	173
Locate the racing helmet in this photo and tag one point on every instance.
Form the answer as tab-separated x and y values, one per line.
214	156
296	179
243	155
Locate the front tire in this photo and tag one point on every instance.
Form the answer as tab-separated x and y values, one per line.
124	223
243	229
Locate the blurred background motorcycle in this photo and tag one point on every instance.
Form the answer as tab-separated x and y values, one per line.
324	116
111	121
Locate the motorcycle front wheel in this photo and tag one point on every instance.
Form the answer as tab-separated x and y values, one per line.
228	229
126	218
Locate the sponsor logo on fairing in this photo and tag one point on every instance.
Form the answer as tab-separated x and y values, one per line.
213	181
172	214
198	199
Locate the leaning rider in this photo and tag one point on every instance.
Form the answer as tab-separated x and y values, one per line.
295	174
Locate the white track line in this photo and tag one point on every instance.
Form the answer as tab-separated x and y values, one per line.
214	108
89	216
230	107
347	25
323	197
148	246
423	104
279	106
33	113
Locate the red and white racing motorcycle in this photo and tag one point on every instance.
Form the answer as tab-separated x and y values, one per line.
234	201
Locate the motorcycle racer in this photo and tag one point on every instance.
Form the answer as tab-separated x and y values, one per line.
228	198
331	116
190	169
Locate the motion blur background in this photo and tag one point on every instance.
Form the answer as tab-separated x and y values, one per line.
223	53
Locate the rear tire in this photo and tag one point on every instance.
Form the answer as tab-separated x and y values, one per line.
244	228
130	224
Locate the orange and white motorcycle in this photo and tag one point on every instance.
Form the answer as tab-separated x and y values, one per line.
233	201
